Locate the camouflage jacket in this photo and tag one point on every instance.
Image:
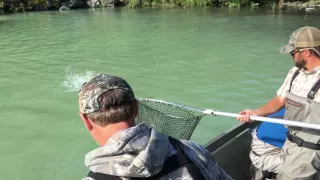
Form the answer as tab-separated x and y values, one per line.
140	152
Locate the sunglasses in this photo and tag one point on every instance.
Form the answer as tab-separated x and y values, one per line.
302	49
295	50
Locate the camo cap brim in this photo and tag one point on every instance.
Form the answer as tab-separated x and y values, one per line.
99	84
287	48
304	37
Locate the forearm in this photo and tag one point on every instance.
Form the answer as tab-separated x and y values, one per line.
272	106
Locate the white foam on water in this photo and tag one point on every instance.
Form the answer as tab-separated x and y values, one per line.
74	81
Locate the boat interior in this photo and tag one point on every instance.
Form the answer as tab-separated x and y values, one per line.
231	149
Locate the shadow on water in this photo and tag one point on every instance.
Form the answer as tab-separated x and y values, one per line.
5	21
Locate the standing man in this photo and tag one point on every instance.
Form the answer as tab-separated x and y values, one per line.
300	96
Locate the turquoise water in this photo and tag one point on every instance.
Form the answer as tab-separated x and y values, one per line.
223	59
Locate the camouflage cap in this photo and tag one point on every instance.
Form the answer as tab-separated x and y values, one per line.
304	37
99	84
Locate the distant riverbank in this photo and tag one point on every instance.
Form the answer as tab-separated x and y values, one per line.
11	6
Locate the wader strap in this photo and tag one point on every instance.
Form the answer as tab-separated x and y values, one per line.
181	160
314	90
173	162
301	143
100	176
268	175
293	77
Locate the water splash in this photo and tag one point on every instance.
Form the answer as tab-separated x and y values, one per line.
75	81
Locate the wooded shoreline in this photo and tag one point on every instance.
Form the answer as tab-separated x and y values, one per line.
13	6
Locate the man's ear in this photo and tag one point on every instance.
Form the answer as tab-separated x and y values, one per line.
308	53
86	121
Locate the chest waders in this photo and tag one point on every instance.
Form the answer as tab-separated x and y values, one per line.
303	110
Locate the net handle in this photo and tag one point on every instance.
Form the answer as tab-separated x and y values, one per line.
255	118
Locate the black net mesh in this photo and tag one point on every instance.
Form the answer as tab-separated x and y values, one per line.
168	119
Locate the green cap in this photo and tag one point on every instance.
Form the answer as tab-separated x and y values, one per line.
99	84
304	37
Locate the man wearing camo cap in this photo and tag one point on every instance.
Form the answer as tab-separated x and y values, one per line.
300	96
108	109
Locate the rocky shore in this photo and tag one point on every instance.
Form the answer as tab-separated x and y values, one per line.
311	6
7	6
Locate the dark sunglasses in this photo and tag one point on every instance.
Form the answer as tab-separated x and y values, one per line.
294	51
301	49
